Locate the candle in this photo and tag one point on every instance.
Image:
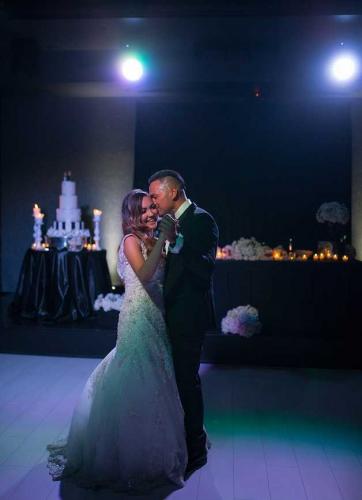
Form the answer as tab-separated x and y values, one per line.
96	219
277	255
36	211
329	255
321	256
304	257
335	257
315	256
38	222
219	254
345	258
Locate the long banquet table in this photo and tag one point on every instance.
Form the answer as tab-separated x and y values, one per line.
300	299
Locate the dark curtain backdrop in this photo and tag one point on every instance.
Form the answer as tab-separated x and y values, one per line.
261	168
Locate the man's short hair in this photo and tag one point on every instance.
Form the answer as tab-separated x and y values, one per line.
162	174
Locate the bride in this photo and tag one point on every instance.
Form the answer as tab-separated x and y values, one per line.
127	431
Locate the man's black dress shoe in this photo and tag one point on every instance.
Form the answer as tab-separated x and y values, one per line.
194	465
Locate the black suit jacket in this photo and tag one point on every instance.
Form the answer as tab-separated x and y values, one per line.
188	279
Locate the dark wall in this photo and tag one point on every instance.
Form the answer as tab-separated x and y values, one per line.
262	168
42	136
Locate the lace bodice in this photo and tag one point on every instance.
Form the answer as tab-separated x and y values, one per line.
126	272
134	289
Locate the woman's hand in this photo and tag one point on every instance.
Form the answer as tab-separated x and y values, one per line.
167	228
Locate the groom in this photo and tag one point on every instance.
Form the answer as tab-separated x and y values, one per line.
188	298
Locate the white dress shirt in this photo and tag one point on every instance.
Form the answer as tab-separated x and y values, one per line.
176	247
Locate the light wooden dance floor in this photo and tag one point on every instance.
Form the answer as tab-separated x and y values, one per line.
277	434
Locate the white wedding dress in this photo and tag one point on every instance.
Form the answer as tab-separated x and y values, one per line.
127	431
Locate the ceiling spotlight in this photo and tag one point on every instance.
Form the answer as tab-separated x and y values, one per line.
344	68
131	69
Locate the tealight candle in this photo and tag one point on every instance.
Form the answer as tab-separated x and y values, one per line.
345	258
329	255
276	255
304	257
321	256
335	257
219	253
315	256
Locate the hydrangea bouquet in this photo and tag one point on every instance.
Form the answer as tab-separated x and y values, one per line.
247	249
333	213
108	302
243	320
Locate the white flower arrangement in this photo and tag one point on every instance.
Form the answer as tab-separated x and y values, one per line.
333	213
108	302
247	249
243	320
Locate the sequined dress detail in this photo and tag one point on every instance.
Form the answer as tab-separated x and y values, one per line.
127	430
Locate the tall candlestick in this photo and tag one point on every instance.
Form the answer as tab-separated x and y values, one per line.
96	219
38	222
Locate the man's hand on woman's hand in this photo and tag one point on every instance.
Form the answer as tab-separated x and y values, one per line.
167	228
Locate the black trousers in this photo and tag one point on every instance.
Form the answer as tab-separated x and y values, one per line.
186	356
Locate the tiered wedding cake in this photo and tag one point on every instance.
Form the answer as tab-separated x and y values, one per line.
68	224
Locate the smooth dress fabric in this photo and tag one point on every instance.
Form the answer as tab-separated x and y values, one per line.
127	431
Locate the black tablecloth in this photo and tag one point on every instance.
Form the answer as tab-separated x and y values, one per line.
60	285
304	299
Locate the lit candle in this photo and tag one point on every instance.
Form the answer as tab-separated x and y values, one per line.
96	219
315	256
335	257
321	256
276	255
345	258
304	257
329	255
37	212
38	222
97	213
219	254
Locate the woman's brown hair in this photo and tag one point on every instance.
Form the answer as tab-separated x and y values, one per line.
131	217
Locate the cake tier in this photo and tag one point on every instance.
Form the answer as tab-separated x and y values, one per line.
68	215
68	187
70	232
68	201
